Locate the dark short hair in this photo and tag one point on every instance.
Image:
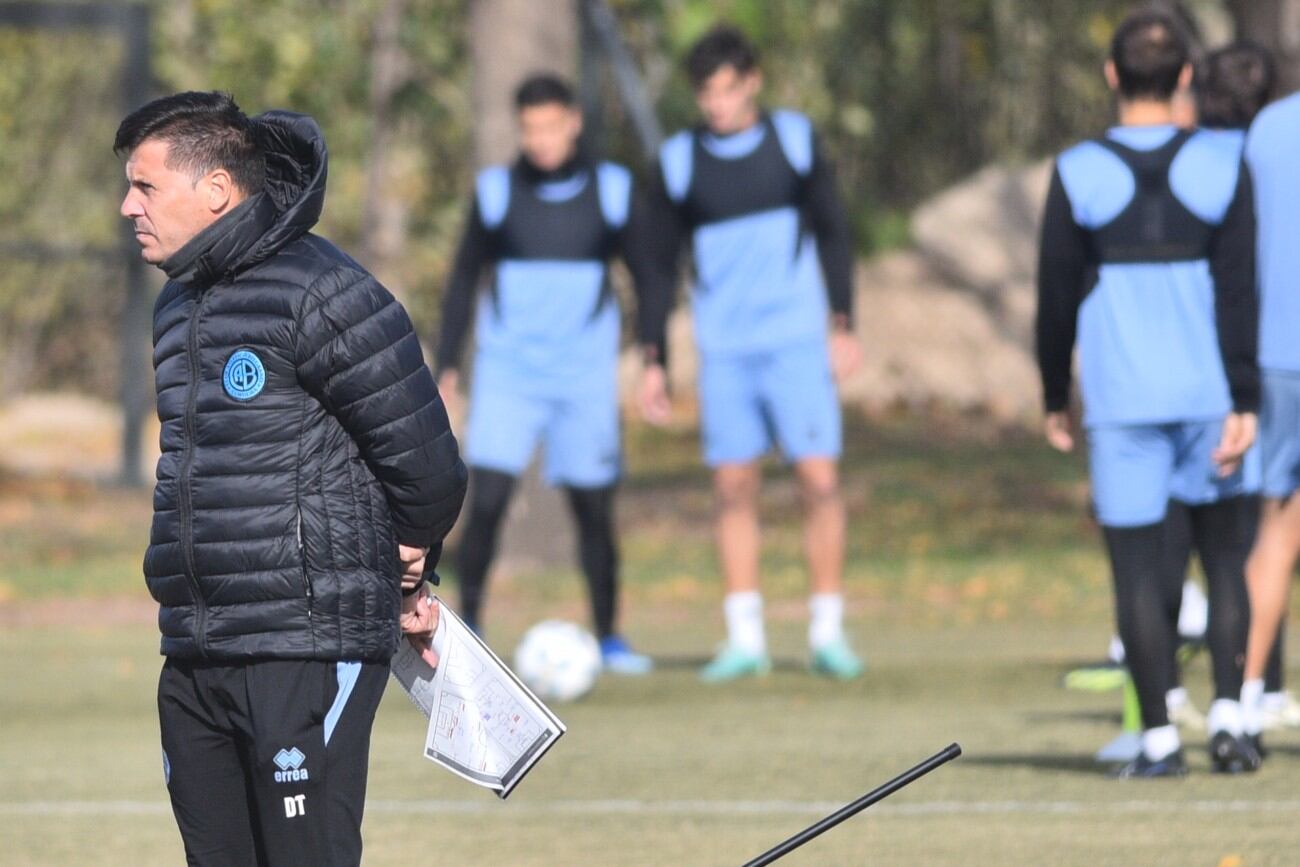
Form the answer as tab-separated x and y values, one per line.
1184	22
544	89
1149	51
724	45
1233	84
205	130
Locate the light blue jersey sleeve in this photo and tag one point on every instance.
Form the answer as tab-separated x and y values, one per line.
492	187
614	184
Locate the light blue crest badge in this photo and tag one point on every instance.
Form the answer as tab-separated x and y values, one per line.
244	375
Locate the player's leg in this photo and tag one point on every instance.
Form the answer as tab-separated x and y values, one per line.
203	768
1223	527
1268	577
824	529
735	436
1131	469
489	499
593	513
1186	604
824	524
736	533
307	730
582	442
504	425
798	392
1146	629
1278	707
1223	539
1273	558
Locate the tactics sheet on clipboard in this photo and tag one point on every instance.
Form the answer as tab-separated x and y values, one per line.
484	724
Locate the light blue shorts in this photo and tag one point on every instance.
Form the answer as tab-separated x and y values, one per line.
784	396
1137	469
1279	432
577	426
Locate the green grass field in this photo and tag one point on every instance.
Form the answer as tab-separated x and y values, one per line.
975	583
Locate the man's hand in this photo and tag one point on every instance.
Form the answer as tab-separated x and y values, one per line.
1239	430
846	353
419	621
1058	427
449	388
412	564
652	395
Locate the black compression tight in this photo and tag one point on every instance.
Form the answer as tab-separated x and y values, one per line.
1142	614
1147	590
1223	534
489	497
1273	677
1178	552
593	512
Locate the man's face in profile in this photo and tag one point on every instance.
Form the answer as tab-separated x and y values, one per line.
166	207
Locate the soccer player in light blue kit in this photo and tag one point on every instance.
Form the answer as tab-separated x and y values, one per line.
1274	159
1147	259
548	337
772	308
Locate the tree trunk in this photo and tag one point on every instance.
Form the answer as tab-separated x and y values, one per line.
510	40
384	229
1275	24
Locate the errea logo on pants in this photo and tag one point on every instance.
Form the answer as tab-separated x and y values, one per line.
290	764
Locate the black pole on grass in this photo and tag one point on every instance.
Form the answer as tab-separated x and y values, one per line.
947	754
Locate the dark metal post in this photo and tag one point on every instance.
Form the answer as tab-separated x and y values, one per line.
589	83
134	390
631	88
949	753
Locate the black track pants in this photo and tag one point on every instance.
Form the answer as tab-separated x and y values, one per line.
266	761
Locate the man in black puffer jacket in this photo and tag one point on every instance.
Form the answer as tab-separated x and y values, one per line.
308	476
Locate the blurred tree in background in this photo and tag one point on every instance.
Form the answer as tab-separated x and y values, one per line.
910	95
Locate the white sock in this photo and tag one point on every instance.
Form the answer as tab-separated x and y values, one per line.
1224	716
1252	694
744	614
1194	612
826	625
1160	742
1270	700
1176	698
1116	651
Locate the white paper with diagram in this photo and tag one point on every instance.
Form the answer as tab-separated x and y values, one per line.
484	724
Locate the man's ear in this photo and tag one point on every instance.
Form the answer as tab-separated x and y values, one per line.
1112	77
1185	77
220	191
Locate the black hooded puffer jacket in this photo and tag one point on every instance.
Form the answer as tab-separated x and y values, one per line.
303	437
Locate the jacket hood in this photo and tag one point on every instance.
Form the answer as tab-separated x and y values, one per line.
286	209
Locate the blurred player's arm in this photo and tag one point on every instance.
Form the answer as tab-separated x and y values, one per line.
1236	309
473	254
1062	269
653	242
834	236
